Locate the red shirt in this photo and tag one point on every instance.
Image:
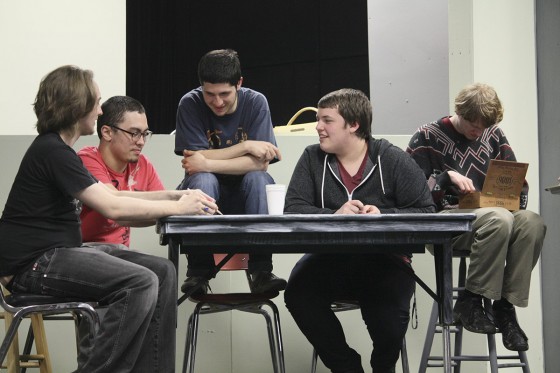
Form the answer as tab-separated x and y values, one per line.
140	176
349	181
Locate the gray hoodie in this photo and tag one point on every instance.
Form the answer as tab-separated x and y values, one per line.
392	182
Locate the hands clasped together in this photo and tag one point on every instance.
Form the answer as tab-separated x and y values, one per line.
357	207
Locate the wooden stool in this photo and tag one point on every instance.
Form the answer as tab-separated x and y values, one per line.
16	361
430	361
20	306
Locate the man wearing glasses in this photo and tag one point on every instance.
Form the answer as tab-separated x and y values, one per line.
118	162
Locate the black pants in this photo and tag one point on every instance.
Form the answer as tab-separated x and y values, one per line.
380	285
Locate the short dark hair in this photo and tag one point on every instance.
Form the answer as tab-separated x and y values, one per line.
479	101
219	66
353	105
115	108
65	95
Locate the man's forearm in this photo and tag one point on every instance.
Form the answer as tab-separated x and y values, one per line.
236	166
231	152
156	195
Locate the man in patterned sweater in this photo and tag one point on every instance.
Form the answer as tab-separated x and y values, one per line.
454	153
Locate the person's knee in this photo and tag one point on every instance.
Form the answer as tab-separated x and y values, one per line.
205	181
496	219
164	270
257	179
146	283
291	296
530	221
296	296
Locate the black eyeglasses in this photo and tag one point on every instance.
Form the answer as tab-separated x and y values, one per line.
135	136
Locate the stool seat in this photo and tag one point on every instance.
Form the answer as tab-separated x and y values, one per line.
234	299
25	299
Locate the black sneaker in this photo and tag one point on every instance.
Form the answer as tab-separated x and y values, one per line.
513	336
196	285
469	312
263	281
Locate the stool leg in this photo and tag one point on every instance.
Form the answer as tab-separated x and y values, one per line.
12	357
492	354
524	361
277	333
27	346
458	350
188	340
41	343
271	339
192	338
429	339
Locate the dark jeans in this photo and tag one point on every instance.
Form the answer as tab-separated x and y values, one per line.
383	289
243	194
137	333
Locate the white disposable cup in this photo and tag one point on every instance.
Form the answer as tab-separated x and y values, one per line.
275	196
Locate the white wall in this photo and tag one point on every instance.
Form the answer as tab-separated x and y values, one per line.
38	36
409	63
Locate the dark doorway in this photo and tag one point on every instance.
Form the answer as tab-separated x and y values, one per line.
293	52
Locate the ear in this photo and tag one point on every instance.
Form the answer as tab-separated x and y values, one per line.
106	133
354	127
239	83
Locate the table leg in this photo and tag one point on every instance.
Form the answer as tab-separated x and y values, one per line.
443	256
173	254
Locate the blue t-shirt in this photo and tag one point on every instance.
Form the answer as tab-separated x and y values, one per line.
198	128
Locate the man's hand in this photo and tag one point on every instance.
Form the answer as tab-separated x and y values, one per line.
357	207
197	203
262	150
177	194
194	162
463	183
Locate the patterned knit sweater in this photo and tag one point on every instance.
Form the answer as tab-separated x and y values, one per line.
437	148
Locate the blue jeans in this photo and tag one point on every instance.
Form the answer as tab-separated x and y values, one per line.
383	289
235	195
137	333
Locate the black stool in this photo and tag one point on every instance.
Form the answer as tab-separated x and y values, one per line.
431	361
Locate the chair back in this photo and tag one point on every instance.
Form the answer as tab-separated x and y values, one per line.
237	262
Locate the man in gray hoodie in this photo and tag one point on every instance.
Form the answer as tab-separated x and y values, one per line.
349	172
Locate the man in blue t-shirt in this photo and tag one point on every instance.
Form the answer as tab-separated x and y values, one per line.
224	133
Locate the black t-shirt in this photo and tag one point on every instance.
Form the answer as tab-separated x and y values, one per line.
41	212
